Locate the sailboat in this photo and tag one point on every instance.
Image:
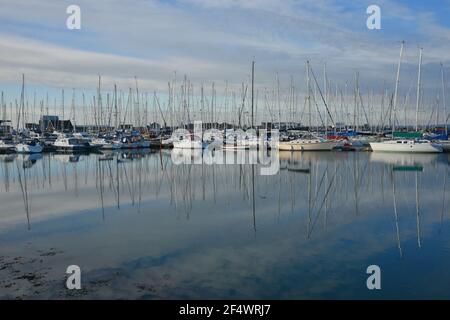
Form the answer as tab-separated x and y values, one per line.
420	146
26	145
407	145
307	142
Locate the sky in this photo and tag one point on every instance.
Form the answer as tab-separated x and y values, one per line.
216	40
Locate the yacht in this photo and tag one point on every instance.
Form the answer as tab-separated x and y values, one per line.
406	145
307	143
72	144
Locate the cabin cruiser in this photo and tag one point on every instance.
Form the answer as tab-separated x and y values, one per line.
72	144
406	145
30	146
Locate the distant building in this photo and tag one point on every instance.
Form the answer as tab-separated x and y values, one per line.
47	123
51	123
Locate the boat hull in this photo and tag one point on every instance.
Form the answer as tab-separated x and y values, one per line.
406	147
314	146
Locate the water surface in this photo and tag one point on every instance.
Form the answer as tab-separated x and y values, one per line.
146	228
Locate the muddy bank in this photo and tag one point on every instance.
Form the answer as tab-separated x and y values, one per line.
32	277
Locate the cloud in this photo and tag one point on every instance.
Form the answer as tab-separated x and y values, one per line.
212	40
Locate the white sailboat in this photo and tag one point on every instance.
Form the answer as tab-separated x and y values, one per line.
407	145
419	146
307	142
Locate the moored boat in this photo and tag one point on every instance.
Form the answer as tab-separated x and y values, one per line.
406	145
31	146
72	144
307	144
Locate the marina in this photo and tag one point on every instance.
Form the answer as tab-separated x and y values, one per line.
199	206
226	155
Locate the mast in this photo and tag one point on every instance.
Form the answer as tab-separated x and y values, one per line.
115	107
22	104
443	99
99	104
3	107
278	102
253	88
308	94
396	85
72	111
62	105
325	86
418	89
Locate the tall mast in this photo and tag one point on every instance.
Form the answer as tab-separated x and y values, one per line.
396	85
115	106
308	94
253	88
325	86
22	104
99	104
72	111
443	99
418	89
3	108
62	105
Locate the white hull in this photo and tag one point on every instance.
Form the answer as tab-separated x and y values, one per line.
25	148
306	145
405	146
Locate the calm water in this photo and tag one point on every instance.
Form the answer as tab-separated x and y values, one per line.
147	228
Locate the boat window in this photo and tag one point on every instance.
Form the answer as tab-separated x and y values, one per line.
399	142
